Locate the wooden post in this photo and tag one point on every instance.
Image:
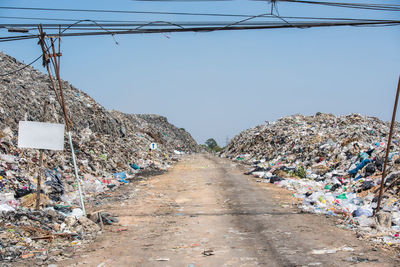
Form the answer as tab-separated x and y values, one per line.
41	172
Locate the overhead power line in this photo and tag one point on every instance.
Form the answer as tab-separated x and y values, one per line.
123	11
367	6
95	25
124	26
210	29
185	22
58	19
380	7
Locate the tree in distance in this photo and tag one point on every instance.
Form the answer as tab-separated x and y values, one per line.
212	145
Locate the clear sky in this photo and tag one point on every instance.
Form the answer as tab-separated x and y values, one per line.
220	83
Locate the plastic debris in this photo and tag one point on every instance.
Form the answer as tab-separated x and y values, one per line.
333	163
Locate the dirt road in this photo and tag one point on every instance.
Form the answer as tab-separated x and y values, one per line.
204	212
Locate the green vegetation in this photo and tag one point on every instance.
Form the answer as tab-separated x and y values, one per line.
299	172
212	145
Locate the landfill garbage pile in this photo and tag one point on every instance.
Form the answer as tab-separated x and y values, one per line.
160	130
333	163
43	235
111	147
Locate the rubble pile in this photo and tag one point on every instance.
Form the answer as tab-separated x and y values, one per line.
43	235
333	163
111	149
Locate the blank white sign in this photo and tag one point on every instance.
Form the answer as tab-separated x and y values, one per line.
41	135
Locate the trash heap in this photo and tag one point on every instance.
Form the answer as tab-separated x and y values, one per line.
112	148
333	163
47	234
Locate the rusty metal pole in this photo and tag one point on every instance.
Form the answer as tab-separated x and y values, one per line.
388	148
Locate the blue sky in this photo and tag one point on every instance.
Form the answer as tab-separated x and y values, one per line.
218	84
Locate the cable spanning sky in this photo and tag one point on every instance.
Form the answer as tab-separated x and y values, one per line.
216	84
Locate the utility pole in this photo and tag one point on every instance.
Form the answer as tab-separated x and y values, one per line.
388	147
227	140
54	58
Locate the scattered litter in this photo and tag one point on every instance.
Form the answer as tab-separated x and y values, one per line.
347	249
323	251
162	259
208	252
25	256
331	250
360	259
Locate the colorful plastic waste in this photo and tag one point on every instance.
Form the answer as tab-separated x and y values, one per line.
342	158
135	166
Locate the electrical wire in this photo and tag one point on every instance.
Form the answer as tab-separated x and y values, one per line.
203	29
94	22
96	28
155	22
241	21
68	19
18	70
367	6
209	29
136	21
238	25
94	25
124	11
